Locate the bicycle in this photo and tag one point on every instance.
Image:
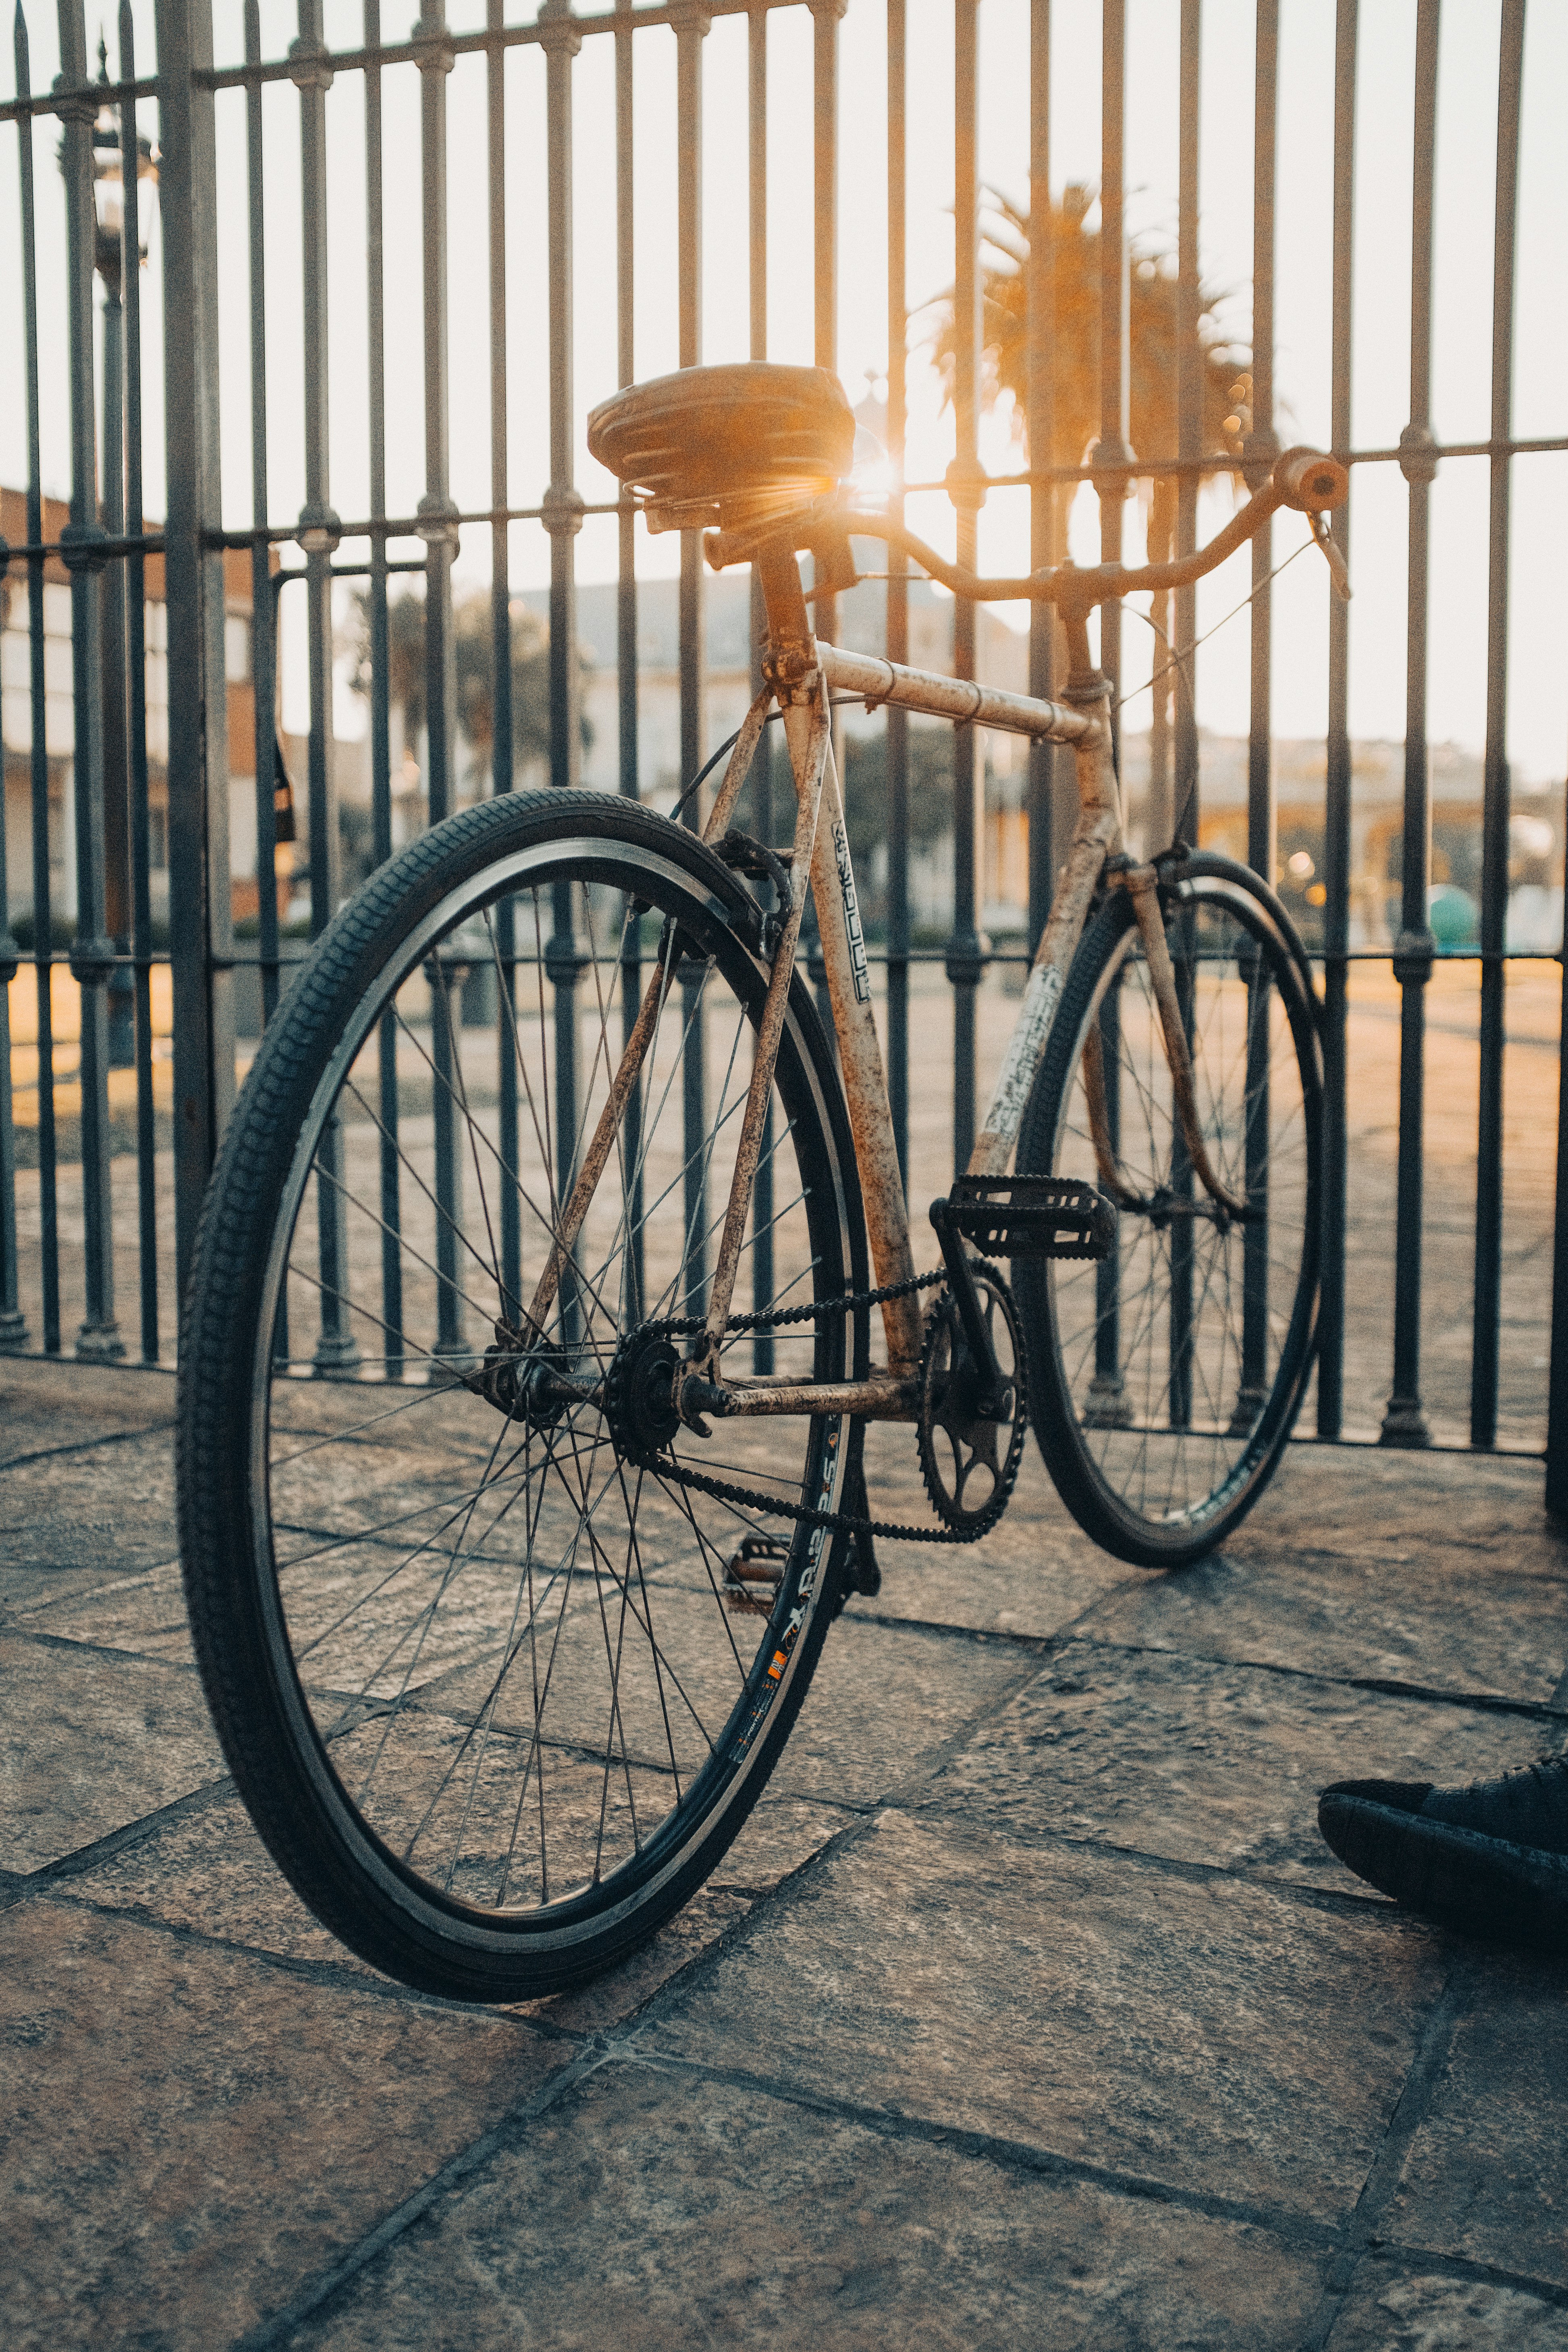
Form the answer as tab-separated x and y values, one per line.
510	1544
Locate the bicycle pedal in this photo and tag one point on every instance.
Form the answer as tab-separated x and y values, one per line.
1033	1216
753	1575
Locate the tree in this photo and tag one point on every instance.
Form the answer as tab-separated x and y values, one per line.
1225	387
1154	347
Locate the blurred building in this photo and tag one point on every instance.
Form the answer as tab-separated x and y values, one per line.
16	719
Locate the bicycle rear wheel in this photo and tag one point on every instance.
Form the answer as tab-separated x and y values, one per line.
1167	1378
489	1689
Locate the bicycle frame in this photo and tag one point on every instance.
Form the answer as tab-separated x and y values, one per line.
801	674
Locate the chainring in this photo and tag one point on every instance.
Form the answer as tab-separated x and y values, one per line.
970	1464
638	1357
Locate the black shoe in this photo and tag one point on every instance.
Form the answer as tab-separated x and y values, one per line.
1492	1859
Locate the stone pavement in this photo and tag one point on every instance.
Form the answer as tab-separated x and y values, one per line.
1029	2010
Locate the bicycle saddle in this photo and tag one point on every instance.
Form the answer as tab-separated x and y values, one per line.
729	445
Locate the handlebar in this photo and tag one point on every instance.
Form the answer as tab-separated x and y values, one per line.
1302	479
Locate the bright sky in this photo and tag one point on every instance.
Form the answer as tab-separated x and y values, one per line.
1538	701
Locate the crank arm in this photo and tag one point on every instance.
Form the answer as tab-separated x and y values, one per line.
989	1403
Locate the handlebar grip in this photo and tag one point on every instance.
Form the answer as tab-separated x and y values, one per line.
1310	482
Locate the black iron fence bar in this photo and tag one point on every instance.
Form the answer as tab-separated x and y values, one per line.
98	1336
1189	411
1260	448
59	101
1495	786
966	492
1137	468
48	1219
510	37
825	349
244	956
151	542
1113	449
202	1010
391	1167
1337	778
1184	749
1405	1423
626	621
692	24
43	919
1041	297
436	58
247	956
110	548
625	374
336	1349
896	747
763	761
501	714
825	18
264	660
140	875
1107	1401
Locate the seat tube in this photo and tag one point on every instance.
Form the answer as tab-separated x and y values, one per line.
843	950
791	650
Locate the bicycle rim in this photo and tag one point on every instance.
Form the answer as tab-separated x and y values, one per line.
1169	1376
484	1683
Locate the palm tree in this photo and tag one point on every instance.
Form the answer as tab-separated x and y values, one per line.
1155	334
1225	387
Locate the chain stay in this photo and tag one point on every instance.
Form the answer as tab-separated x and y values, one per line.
725	1490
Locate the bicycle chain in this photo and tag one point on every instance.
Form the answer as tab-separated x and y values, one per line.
726	1490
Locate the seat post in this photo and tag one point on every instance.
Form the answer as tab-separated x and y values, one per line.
791	650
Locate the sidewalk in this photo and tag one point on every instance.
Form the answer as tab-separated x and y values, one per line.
1028	2010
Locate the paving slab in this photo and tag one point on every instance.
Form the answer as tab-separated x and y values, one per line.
1485	1616
109	1508
1033	1575
90	1743
651	2211
1425	2312
887	1700
143	1614
1221	1764
1208	2033
46	1407
206	1871
1372	1503
192	2132
1486	2173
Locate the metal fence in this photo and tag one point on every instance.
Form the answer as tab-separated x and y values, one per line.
245	357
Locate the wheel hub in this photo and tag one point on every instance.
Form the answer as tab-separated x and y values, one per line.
639	1393
520	1380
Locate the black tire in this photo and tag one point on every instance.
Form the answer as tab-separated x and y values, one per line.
1158	1445
477	1677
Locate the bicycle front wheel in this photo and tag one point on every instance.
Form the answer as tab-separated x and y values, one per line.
497	1695
1167	1376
